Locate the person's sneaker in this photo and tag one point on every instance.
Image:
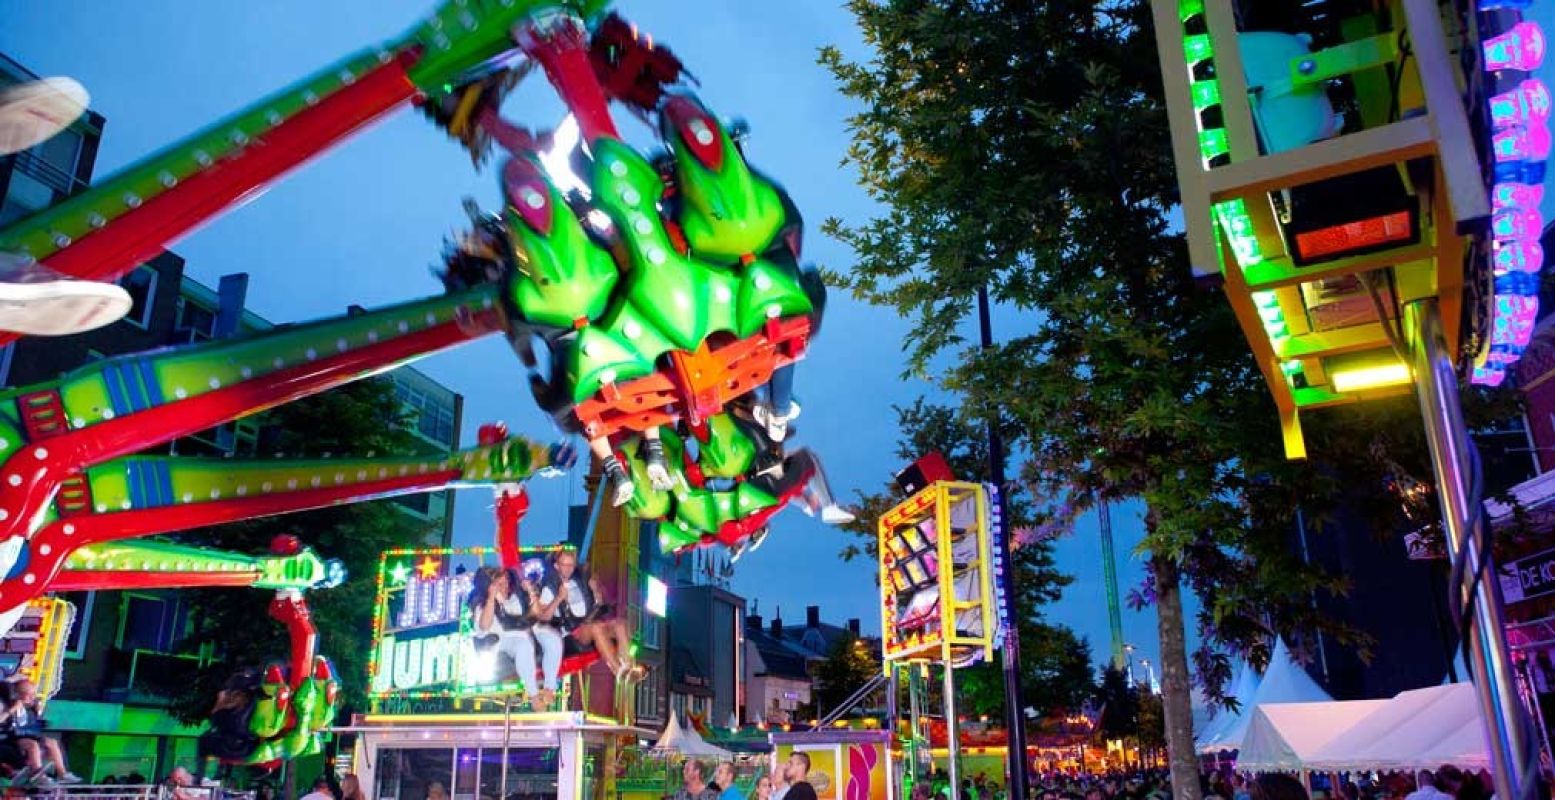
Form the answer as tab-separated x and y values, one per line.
22	777
658	470
208	783
38	301
776	425
72	778
836	515
621	487
31	113
43	782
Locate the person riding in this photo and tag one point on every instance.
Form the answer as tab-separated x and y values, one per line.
570	600
504	611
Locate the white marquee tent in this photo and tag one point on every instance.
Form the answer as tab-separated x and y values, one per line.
686	741
1419	729
1284	736
1284	682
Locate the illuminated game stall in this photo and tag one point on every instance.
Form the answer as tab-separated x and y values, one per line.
941	581
443	712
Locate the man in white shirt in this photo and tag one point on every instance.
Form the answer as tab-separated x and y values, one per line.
320	791
1427	788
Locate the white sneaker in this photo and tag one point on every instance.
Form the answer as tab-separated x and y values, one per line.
777	427
624	490
71	778
38	301
35	112
836	515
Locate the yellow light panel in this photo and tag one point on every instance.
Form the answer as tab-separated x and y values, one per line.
1372	377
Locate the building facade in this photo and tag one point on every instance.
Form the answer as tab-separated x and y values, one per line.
707	631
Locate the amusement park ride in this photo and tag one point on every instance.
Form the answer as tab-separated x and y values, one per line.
1364	181
659	308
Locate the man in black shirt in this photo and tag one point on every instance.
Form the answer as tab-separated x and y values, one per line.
798	773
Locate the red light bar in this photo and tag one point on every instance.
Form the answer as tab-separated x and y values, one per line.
1366	234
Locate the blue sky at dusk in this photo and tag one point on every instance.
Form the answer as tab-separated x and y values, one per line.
363	223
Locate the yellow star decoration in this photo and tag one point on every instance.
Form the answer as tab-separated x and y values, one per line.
428	568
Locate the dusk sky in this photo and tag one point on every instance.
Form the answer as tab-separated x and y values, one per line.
364	223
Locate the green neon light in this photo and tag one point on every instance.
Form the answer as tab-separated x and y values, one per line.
399	573
1197	48
1205	94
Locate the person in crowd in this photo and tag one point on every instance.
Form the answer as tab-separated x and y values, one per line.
723	781
798	771
694	786
763	790
570	600
505	614
1277	786
320	790
180	783
351	788
228	737
42	753
1426	787
436	791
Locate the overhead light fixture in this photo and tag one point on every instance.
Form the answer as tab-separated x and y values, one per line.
1374	376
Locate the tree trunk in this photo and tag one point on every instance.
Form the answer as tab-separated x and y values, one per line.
1175	698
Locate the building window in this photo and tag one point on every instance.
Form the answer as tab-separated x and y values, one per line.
195	322
142	286
151	623
75	641
648	630
418	503
648	696
24	197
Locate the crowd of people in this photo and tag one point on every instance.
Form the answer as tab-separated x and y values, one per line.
791	781
1447	782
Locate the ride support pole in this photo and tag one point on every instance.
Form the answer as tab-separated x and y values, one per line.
1436	388
952	735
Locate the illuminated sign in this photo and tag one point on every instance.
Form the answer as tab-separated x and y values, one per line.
657	600
423	644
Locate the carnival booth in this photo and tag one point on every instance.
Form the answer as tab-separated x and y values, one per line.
845	764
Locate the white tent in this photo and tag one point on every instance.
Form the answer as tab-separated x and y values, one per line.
1284	682
1284	736
686	741
1424	728
1243	686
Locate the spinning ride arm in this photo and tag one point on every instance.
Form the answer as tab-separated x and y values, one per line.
144	495
128	217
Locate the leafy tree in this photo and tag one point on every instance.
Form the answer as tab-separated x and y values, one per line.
849	664
1022	145
361	418
1119	704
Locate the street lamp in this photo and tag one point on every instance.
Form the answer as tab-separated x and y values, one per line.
1128	650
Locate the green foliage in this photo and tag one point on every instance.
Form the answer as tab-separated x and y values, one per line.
1023	145
1120	705
361	418
849	664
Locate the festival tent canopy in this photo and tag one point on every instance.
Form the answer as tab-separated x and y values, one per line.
686	741
1284	682
1284	736
1220	720
1419	729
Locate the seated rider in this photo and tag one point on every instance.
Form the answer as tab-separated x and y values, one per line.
27	730
229	739
504	610
569	599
